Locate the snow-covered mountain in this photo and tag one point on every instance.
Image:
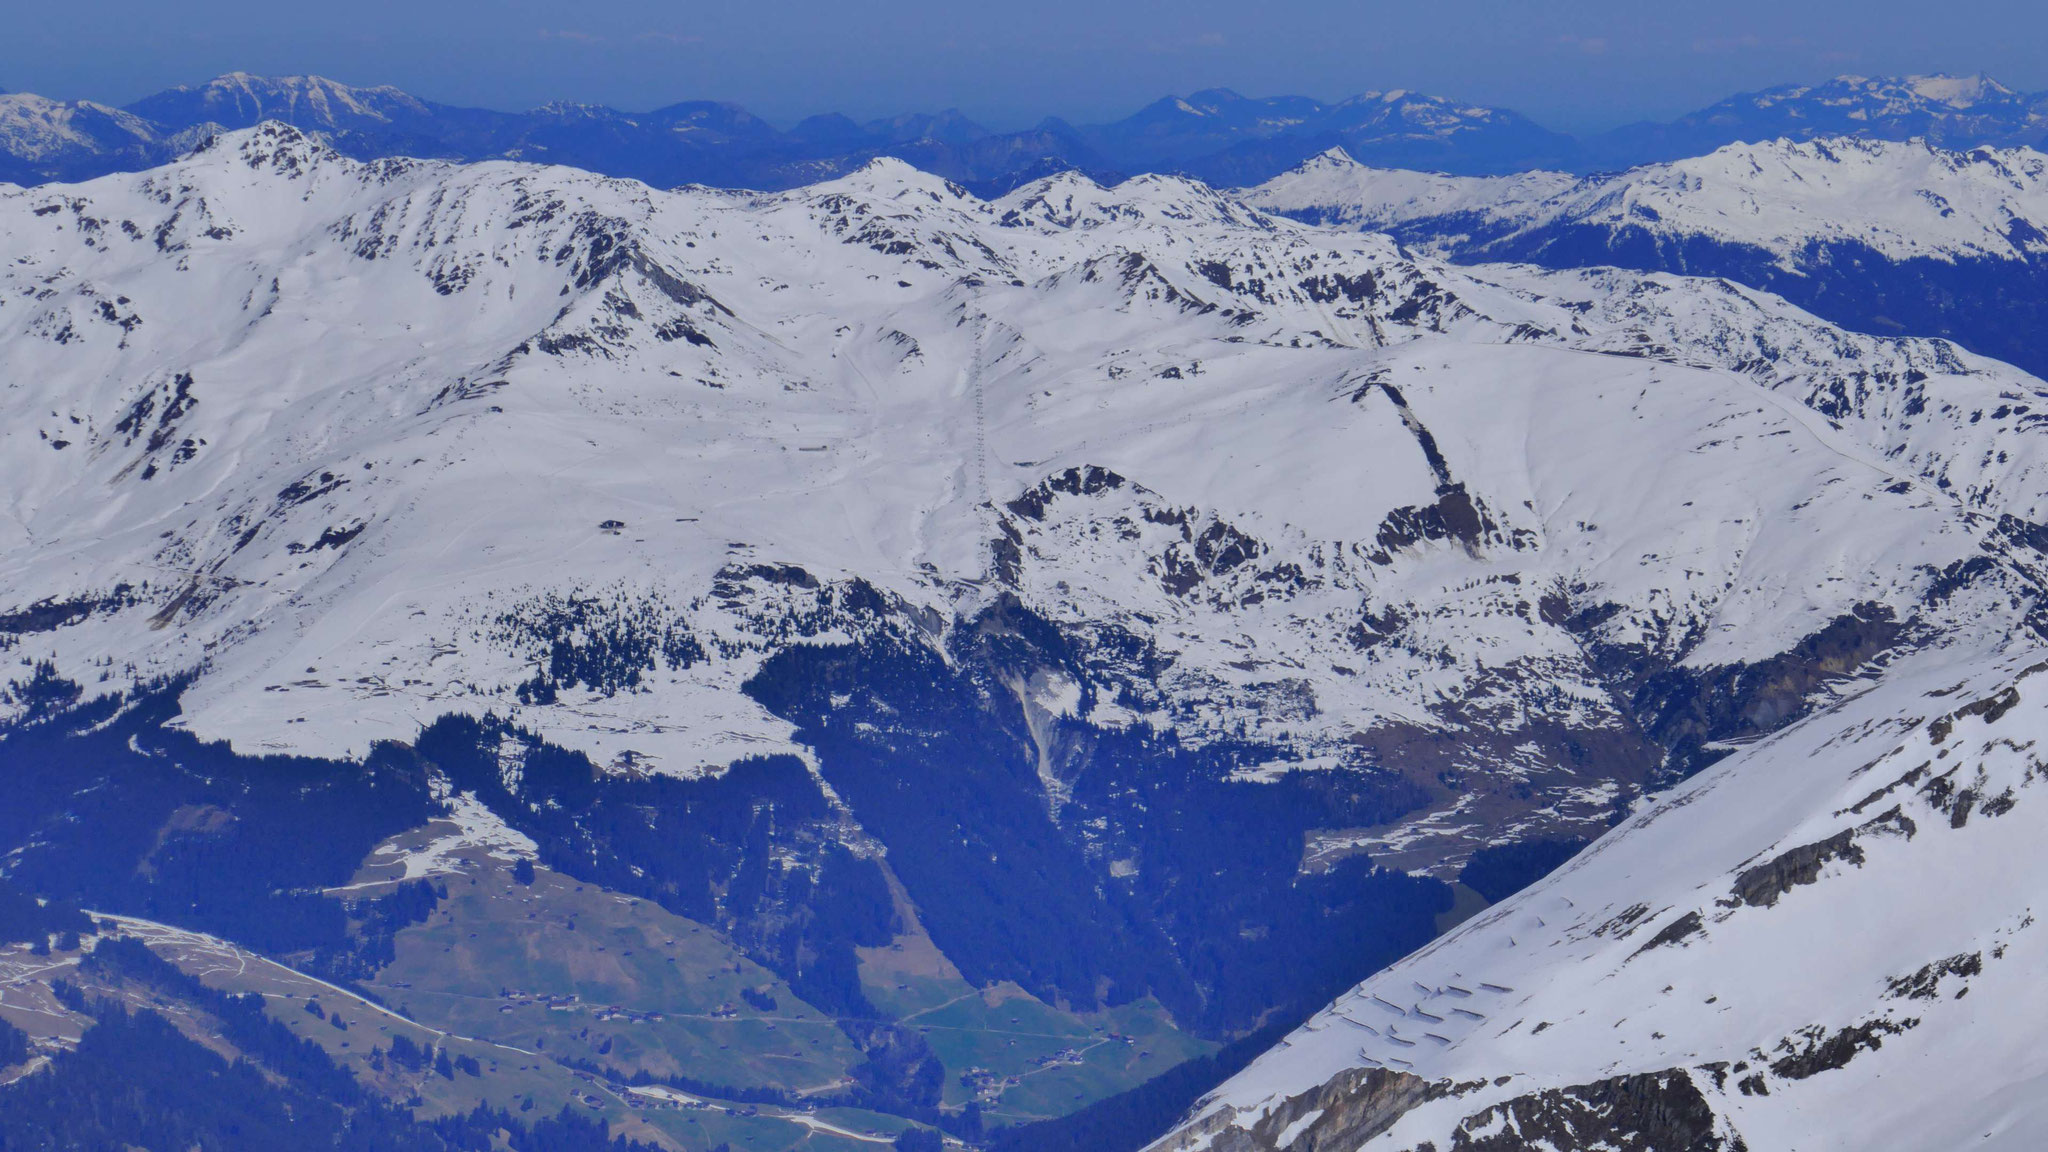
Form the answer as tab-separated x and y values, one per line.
229	335
1882	236
1954	111
691	142
1225	138
43	139
1828	940
1062	537
312	103
1215	135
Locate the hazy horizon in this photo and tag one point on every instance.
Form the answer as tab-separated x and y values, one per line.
1575	67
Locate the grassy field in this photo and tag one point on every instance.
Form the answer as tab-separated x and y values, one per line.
572	971
1028	1060
523	1080
349	1029
540	982
578	972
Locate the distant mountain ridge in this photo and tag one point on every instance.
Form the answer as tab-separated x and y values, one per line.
1215	135
1952	111
1883	236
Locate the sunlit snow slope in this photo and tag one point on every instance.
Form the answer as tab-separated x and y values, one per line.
1826	941
359	444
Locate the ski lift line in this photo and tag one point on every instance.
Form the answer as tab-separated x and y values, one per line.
976	367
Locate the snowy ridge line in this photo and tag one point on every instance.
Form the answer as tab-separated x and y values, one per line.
367	443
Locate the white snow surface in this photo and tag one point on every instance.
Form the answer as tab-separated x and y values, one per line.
436	848
332	436
1903	199
1561	986
305	101
36	127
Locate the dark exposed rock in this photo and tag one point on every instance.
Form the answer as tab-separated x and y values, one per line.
50	615
1452	517
1648	1112
1912	776
1991	707
2024	532
1688	710
1925	984
335	538
1624	922
1086	481
1942	794
1332	287
1815	1053
308	488
1350	1109
1761	886
1674	932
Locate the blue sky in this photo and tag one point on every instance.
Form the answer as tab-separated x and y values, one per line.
1574	65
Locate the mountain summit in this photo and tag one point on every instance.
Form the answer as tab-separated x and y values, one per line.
1216	135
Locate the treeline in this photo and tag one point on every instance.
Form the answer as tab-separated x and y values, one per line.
1215	918
712	850
909	741
1498	871
14	1047
25	919
371	939
109	808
